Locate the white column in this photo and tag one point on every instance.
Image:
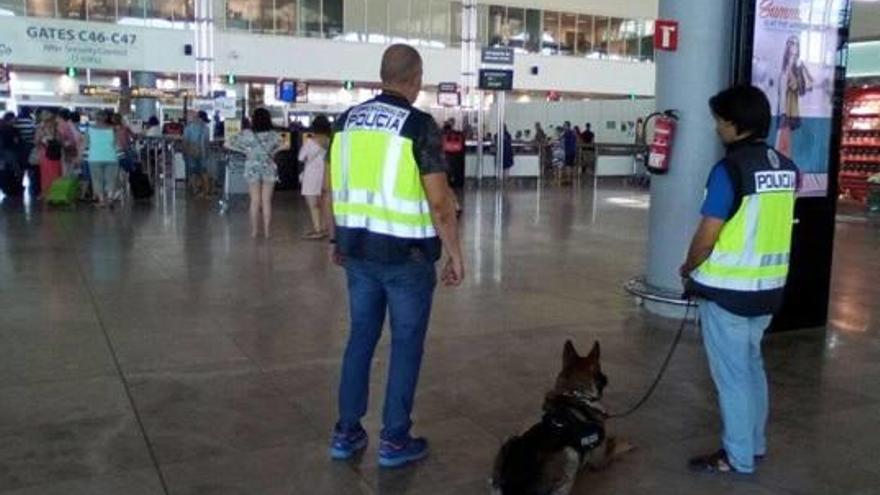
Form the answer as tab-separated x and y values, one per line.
686	79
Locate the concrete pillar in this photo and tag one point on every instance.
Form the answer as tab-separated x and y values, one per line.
144	108
686	79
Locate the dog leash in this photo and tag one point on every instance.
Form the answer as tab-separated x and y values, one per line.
663	367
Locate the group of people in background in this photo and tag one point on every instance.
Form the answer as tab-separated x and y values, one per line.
53	143
562	150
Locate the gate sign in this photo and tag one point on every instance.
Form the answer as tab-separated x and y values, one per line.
666	35
447	87
496	80
497	55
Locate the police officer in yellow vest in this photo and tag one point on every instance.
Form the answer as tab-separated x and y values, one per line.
394	215
737	265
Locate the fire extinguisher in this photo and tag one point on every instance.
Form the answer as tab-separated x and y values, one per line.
661	146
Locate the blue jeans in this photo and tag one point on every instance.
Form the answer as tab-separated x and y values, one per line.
733	346
406	291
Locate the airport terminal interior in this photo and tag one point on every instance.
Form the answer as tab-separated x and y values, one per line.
150	345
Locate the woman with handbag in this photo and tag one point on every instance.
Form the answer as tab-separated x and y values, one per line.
49	150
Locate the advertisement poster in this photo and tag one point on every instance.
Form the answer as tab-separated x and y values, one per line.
794	62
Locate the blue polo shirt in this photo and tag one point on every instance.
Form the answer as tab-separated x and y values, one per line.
719	194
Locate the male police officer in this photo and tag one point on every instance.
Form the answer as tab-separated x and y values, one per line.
737	265
394	213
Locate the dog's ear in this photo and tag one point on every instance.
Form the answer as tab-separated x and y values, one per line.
569	355
594	354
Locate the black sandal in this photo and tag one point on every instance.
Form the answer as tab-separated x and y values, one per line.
716	462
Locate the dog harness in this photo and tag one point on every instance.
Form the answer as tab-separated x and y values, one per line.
574	424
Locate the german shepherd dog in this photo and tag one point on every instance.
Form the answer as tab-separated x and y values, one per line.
547	458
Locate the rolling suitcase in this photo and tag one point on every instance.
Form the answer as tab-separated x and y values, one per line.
63	192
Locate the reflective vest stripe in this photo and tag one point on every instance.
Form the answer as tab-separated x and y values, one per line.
381	221
361	196
746	284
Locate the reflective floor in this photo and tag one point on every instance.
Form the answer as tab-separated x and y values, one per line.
160	350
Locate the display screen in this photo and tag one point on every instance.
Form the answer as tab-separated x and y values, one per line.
286	90
496	80
796	53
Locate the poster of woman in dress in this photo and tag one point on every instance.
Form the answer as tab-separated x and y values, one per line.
794	63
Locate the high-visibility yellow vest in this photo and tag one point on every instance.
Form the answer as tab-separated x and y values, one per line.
376	181
753	249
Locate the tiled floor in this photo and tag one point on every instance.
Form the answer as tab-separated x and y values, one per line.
229	350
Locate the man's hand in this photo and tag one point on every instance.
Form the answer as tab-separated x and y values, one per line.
453	272
336	258
441	200
684	271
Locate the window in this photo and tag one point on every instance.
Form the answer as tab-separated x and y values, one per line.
239	14
456	17
516	27
482	25
101	10
11	7
567	33
498	34
310	15
440	22
584	45
533	30
355	20
420	21
551	35
647	49
265	21
332	15
601	35
398	17
377	21
72	9
286	17
171	13
131	12
616	38
632	33
40	8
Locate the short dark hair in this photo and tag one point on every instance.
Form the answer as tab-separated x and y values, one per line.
746	107
203	116
262	120
321	125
